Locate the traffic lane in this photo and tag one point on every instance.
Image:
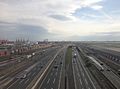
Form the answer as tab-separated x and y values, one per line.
16	61
22	83
25	83
9	63
30	77
7	79
84	80
77	80
38	83
4	65
49	80
88	79
34	62
34	58
62	72
56	78
58	74
12	61
82	77
52	78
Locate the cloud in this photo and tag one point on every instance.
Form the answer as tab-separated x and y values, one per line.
14	10
13	31
96	7
90	2
60	17
54	17
103	36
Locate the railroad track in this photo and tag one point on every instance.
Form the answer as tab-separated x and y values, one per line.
103	82
114	67
101	79
12	74
110	63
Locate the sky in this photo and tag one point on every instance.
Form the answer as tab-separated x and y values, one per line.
74	20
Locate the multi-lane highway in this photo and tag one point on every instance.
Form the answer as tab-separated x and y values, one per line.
40	64
60	67
52	79
81	77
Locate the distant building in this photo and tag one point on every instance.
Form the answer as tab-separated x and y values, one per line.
46	41
10	43
3	42
4	51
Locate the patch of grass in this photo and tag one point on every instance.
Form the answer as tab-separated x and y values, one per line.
68	57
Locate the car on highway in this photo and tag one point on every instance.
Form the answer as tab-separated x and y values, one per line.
33	54
28	56
44	50
73	60
101	69
19	60
75	55
101	63
55	66
22	75
60	62
108	69
41	66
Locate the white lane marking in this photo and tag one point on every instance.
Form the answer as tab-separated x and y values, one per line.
29	73
48	81
54	80
33	74
53	69
86	81
2	77
56	73
13	83
80	61
74	75
60	76
51	74
21	81
26	81
51	88
78	74
83	74
34	86
38	69
80	81
77	69
88	87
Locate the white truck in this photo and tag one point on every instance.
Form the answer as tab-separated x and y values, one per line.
75	55
28	56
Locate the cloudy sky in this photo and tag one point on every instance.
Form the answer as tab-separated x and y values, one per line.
60	19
